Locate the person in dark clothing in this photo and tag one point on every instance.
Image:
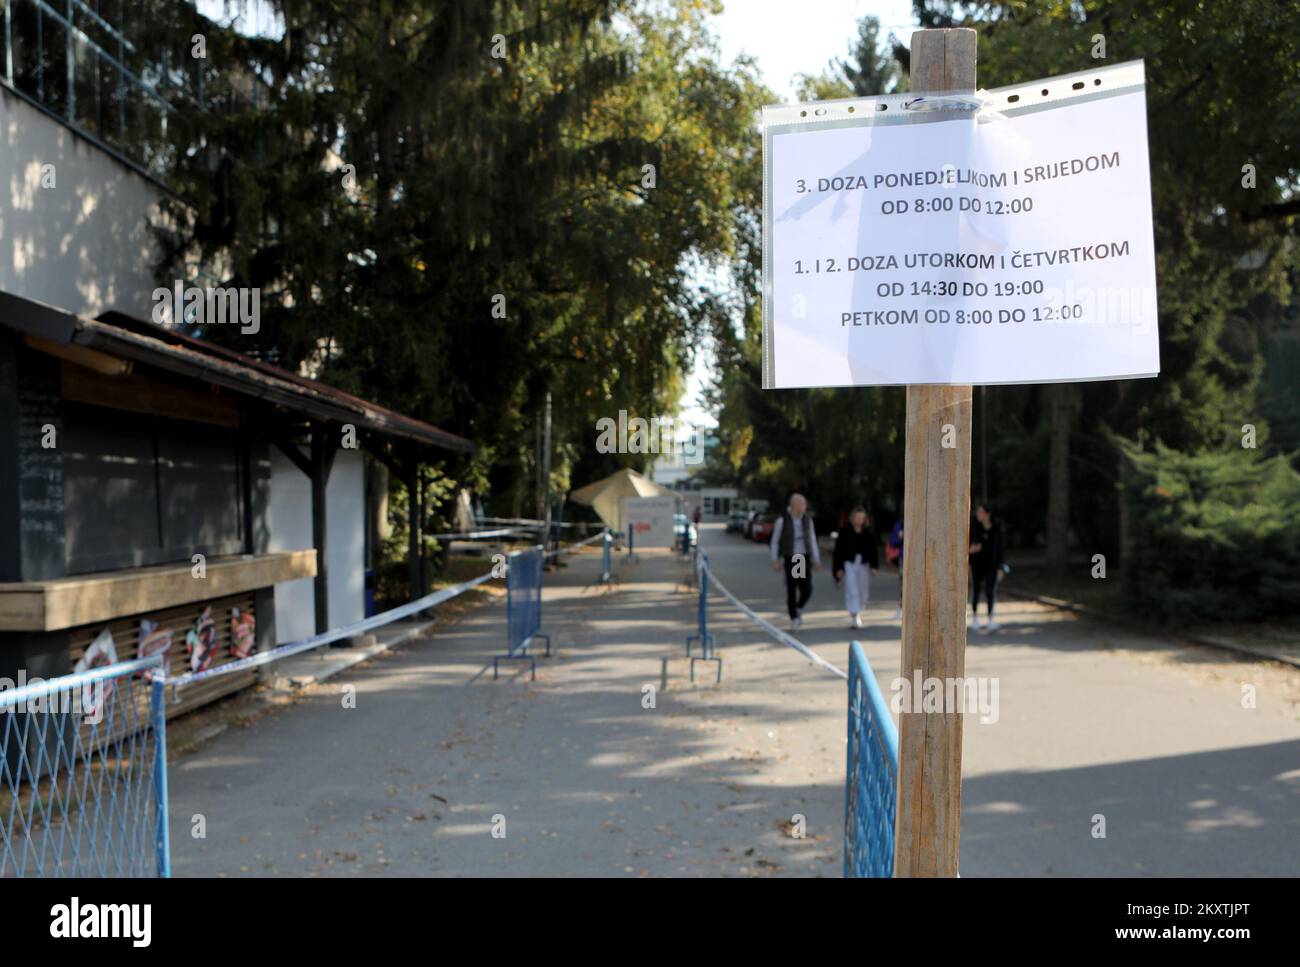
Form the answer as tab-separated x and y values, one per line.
856	558
987	545
894	553
794	542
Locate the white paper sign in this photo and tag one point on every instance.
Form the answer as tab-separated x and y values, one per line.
1013	245
650	520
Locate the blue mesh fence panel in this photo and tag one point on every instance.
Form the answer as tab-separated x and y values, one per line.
871	780
524	601
83	774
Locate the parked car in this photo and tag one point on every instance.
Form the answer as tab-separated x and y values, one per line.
761	529
682	523
736	522
749	523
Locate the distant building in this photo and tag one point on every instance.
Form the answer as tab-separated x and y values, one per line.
715	503
678	471
670	470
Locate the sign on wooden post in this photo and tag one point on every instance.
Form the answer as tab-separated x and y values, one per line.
939	239
936	520
1002	236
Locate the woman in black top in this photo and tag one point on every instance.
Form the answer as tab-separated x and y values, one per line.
856	559
986	549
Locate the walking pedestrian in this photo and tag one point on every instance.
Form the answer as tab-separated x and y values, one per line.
894	554
987	546
856	558
794	542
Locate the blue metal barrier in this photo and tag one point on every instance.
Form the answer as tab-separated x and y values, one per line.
83	774
708	641
523	608
871	781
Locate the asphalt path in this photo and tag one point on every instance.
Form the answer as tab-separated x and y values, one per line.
613	763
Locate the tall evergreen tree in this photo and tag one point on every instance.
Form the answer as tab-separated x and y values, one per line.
456	207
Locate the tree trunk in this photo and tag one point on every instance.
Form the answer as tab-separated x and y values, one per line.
378	510
1060	416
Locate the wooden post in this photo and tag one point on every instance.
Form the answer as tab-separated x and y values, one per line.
419	530
936	541
546	476
413	528
322	461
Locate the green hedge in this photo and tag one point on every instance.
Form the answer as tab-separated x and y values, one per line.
1215	536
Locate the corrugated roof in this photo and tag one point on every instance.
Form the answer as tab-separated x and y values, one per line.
130	338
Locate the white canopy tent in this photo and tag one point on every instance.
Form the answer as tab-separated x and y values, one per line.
605	496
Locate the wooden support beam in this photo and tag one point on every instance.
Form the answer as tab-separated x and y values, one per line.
381	452
290	449
323	448
420	518
413	530
247	495
936	541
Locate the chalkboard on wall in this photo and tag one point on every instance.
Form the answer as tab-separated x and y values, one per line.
40	468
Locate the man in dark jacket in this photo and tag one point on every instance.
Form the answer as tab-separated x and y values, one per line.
794	543
894	551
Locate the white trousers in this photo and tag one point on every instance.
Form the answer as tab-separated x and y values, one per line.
857	586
